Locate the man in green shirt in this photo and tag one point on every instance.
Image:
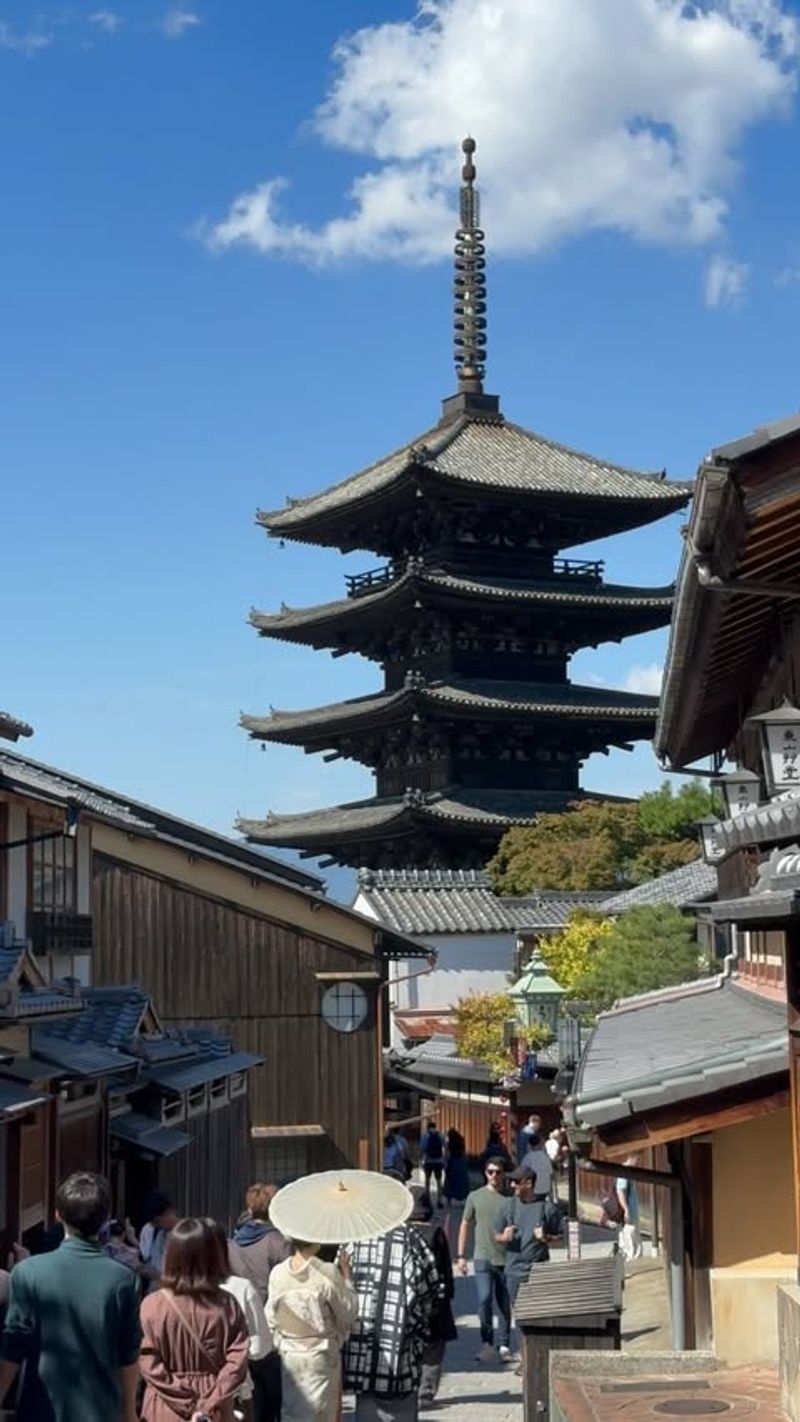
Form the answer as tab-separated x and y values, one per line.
73	1321
489	1257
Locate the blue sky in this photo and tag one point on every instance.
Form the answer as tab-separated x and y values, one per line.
183	340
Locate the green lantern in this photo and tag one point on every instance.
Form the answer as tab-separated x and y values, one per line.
537	996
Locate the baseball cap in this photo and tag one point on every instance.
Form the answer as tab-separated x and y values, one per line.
522	1172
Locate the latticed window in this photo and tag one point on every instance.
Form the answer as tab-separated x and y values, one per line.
53	885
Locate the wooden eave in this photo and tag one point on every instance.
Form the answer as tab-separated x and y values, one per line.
747	1102
722	641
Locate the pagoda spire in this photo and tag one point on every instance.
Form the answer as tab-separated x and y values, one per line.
469	292
470	282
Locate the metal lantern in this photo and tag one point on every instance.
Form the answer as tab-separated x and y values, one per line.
537	996
713	848
780	747
741	791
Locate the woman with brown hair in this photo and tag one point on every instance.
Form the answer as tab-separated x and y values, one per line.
195	1341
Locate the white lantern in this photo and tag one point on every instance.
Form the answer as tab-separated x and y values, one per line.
780	747
713	848
741	791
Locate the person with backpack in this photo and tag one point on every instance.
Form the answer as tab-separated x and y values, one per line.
441	1324
432	1152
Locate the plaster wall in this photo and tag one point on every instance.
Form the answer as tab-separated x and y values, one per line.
754	1236
467	962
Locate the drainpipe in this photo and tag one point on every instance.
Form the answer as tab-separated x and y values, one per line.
677	1269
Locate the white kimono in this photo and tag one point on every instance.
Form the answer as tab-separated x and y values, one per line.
310	1311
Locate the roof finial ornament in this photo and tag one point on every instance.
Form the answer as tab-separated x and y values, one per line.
470	283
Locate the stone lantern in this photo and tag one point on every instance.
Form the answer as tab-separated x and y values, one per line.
537	996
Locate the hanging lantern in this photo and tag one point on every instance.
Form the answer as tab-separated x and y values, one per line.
780	747
537	996
713	848
741	791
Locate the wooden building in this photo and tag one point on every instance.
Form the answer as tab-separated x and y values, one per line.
90	1078
734	652
473	618
231	942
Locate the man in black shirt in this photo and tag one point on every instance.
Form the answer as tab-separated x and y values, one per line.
519	1226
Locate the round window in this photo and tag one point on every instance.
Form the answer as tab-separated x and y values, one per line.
344	1006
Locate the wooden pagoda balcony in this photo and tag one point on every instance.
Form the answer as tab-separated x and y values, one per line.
575	570
358	584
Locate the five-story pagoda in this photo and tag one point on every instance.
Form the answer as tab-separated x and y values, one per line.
473	617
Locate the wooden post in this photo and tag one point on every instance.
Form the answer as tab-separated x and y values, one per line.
792	956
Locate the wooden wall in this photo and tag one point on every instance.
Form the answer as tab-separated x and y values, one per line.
206	961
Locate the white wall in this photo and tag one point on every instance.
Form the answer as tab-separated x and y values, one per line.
467	962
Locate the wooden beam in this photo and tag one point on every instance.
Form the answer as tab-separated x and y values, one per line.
676	1122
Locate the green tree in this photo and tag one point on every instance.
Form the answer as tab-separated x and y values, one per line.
480	1030
647	948
599	844
569	954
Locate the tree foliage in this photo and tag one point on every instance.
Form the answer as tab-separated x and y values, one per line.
601	844
568	954
480	1030
648	947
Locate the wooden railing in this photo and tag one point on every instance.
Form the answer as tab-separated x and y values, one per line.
587	570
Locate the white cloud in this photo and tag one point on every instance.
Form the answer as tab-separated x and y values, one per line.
27	42
625	116
107	20
177	21
725	281
645	680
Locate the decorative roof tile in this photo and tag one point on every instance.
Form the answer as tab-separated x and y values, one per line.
11	729
493	454
689	884
431	901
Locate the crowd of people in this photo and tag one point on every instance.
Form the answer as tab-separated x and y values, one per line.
180	1323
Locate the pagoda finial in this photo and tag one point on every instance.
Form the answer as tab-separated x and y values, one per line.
470	283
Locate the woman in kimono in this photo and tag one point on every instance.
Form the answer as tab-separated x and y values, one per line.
311	1307
195	1341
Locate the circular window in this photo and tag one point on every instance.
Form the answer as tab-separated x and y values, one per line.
344	1006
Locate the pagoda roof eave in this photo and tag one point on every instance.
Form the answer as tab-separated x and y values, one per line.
591	601
452	811
482	455
530	701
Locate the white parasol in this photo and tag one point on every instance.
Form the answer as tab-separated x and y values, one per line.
339	1206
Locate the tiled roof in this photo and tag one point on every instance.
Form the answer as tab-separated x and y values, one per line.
460	901
147	1134
420	1026
35	779
492	454
182	1076
688	1041
690	884
564	593
483	698
11	729
490	808
80	1058
110	1017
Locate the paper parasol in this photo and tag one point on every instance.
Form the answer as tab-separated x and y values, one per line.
339	1206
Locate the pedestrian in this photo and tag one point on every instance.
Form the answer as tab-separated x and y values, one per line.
310	1310
119	1242
72	1321
538	1161
441	1324
520	1226
255	1318
396	1159
489	1260
495	1149
256	1248
160	1216
432	1152
398	1287
532	1127
630	1237
456	1171
195	1341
